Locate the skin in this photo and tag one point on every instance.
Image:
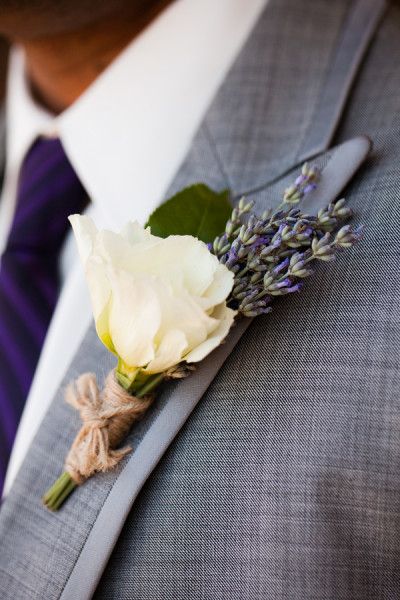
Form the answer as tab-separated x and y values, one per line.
68	43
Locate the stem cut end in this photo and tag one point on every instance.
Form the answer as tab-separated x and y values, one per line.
55	497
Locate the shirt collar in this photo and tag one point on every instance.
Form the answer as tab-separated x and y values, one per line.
128	133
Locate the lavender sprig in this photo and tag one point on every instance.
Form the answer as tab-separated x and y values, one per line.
304	184
271	255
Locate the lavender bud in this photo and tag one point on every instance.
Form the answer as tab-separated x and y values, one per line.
300	179
232	259
292	189
313	173
243	252
224	249
327	256
235	269
340	210
269	249
245	205
251	240
257	312
286	233
323	249
320	244
294	288
296	258
294	198
259	227
339	204
216	245
281	266
271	260
309	188
242	233
304	169
251	222
327	221
347	236
230	228
248	299
268	280
240	287
236	245
235	215
240	295
287	290
273	287
297	268
302	273
260	241
294	243
304	235
344	213
256	277
278	215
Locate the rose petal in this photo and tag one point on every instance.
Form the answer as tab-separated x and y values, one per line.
227	316
99	286
136	234
219	289
134	317
169	352
85	232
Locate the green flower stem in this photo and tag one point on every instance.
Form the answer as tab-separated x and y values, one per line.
59	492
65	485
152	382
138	384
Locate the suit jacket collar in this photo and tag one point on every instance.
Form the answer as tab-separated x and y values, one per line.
297	99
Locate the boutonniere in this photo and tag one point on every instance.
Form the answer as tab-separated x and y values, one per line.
166	296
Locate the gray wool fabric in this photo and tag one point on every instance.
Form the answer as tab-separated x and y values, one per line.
284	483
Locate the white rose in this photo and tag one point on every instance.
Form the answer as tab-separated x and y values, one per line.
156	302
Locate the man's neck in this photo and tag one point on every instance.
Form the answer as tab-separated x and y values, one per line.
60	68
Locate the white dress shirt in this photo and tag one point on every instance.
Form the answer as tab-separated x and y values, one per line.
126	137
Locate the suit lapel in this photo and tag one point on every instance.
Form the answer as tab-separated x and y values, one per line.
359	27
62	550
286	93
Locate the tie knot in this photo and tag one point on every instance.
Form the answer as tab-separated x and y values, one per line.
48	192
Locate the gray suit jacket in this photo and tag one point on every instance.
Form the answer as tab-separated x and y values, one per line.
284	481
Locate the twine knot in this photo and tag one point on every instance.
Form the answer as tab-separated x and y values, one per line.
107	416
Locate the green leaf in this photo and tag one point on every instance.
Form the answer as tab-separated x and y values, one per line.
197	210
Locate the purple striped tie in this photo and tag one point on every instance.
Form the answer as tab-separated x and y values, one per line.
48	192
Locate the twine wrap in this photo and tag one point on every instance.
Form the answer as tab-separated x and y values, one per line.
107	417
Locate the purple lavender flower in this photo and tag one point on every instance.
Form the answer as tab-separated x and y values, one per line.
271	255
